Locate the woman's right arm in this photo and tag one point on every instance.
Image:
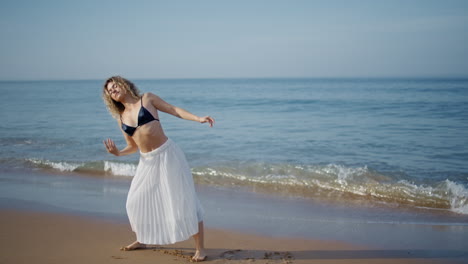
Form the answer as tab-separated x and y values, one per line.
129	149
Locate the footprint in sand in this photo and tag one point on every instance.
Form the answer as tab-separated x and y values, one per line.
117	257
177	253
252	255
230	254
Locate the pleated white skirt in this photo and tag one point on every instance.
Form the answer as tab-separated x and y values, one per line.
162	205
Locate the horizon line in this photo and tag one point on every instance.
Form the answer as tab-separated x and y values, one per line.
241	78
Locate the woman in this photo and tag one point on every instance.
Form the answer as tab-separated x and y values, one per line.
162	205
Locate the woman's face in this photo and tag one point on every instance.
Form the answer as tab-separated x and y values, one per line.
115	91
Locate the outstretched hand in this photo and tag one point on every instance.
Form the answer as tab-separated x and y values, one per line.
110	147
208	119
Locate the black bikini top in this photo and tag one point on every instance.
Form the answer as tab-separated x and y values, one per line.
144	116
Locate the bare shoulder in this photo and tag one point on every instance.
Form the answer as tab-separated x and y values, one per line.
150	96
153	98
159	103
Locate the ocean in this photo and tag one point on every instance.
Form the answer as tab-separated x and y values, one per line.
360	143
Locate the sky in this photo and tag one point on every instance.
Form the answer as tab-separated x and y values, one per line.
94	39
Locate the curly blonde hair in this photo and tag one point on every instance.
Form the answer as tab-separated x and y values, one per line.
116	108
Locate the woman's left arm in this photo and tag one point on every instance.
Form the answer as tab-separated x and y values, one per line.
165	107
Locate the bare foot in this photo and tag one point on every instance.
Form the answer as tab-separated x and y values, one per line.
199	256
135	245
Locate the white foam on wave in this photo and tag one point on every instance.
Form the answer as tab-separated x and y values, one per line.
24	142
335	178
352	180
61	166
117	169
120	169
458	196
455	194
343	174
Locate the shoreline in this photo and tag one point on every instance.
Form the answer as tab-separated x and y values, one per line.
46	237
245	211
444	195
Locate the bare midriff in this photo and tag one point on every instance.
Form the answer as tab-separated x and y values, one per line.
149	136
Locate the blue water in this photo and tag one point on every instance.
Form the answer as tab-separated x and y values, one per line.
391	141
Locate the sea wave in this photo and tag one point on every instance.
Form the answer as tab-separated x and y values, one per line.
60	165
330	182
120	169
99	167
341	183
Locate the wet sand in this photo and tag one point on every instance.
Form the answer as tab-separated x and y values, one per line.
45	237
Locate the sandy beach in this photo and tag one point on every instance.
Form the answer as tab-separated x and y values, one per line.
340	132
44	237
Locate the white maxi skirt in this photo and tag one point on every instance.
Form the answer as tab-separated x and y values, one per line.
162	205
